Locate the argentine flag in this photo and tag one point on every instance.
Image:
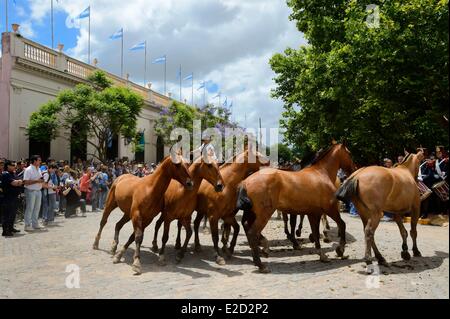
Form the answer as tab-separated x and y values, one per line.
202	85
225	102
139	46
117	35
161	59
189	77
74	22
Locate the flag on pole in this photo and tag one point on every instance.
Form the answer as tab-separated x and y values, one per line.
231	104
139	46
86	13
218	94
188	77
161	59
225	102
74	22
117	35
202	85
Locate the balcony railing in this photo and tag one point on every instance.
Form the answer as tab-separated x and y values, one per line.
39	55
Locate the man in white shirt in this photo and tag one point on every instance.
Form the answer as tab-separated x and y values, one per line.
33	180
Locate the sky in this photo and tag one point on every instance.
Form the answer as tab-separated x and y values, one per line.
226	42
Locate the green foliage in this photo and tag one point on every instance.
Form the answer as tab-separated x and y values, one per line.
285	154
97	110
382	88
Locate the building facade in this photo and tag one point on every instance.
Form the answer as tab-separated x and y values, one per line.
32	74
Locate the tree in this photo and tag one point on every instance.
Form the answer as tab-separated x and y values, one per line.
382	87
96	110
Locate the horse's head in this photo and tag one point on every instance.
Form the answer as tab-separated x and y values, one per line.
345	158
208	169
179	169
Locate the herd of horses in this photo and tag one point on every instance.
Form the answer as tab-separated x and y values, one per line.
246	182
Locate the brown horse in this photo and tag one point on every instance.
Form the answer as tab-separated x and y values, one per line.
133	194
180	203
223	205
374	190
309	191
292	219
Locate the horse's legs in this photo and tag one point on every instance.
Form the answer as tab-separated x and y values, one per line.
414	219
225	234
155	236
187	225
326	227
110	205
285	221
380	258
405	254
119	225
205	220
165	238
291	236
178	240
333	212
314	221
139	227
298	233
197	221
253	237
119	254
369	231
235	235
214	225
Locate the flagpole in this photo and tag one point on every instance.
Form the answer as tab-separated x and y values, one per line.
53	46
165	68
145	62
192	94
6	10
89	37
121	58
204	93
179	74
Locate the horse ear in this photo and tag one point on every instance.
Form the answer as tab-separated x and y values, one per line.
333	141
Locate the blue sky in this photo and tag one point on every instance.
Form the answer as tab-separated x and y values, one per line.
228	42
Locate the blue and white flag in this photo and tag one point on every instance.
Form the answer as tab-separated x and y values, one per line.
225	102
218	94
188	77
202	85
161	59
117	35
231	104
74	22
139	46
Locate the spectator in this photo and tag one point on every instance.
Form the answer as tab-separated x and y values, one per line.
85	183
139	171
103	181
11	188
49	194
72	193
94	189
33	181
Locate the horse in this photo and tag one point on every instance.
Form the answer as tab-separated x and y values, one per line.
309	191
374	190
180	203
223	205
292	219
133	194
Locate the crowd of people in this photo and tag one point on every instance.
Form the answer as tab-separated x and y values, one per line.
52	188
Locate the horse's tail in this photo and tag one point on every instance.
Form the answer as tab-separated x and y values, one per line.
348	190
243	201
110	202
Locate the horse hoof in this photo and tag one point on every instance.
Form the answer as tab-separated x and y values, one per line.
177	246
311	238
264	270
298	233
326	240
155	248
95	246
343	257
406	255
113	251
324	258
369	270
136	269
220	261
383	262
116	259
417	253
339	251
162	260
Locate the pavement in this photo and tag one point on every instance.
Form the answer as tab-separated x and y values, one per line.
59	262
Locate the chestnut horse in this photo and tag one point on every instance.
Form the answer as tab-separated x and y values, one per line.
309	191
134	195
374	190
222	205
180	203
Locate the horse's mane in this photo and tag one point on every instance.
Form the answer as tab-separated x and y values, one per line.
312	159
405	159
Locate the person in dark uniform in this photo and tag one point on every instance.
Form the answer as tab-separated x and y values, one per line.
11	186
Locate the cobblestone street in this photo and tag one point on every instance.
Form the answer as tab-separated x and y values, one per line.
33	265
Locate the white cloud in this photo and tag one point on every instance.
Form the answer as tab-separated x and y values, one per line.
26	29
229	42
